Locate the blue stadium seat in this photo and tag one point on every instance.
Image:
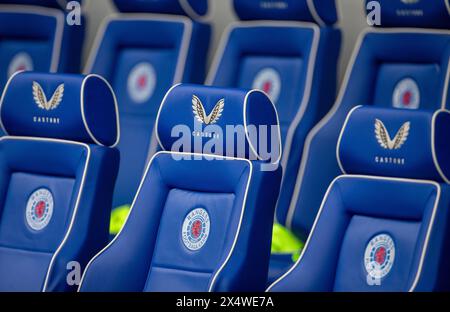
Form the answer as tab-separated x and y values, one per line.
142	55
396	67
57	173
34	35
201	221
291	53
384	225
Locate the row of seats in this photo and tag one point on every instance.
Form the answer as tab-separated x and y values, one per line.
389	69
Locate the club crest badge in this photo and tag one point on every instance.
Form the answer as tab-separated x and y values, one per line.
406	94
20	62
39	209
195	230
379	256
41	99
269	81
384	139
141	82
200	113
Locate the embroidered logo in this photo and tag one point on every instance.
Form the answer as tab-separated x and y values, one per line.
200	113
379	256
384	139
195	229
39	209
41	99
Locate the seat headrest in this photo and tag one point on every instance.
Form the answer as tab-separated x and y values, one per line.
219	121
195	9
413	13
396	143
70	107
59	4
322	12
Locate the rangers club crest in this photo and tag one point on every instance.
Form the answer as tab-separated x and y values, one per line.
20	62
269	81
379	256
406	94
141	82
195	229
39	209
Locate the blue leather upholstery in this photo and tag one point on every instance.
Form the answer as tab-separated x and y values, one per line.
195	9
294	62
379	233
195	218
356	154
56	185
141	70
424	14
382	74
321	12
45	42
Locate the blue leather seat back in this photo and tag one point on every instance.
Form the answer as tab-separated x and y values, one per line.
290	53
192	8
53	46
55	183
193	222
323	13
375	232
141	70
390	68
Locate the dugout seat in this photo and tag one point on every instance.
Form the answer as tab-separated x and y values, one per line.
34	36
383	226
394	66
143	51
57	173
197	214
291	53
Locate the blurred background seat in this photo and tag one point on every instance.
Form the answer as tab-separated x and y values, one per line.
34	35
290	53
143	51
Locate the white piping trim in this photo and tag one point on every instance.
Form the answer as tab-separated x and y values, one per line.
309	73
139	191
314	14
146	17
77	202
337	105
59	29
280	151
433	145
83	116
425	246
338	146
447	4
159	113
446	83
185	5
3	97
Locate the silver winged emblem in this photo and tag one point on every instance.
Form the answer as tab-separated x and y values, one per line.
384	138
41	99
200	114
